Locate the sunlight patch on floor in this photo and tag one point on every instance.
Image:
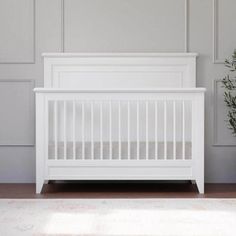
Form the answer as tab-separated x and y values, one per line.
113	217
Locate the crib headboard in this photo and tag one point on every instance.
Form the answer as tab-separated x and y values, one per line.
119	70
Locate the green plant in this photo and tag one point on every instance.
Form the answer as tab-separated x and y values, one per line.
229	84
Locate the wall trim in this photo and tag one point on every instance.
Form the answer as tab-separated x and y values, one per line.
33	61
215	58
216	142
62	25
186	29
31	110
186	25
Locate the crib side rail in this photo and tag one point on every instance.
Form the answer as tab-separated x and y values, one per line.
142	126
165	113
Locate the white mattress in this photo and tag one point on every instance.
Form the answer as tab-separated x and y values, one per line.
115	150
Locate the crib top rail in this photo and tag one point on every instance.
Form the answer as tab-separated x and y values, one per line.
135	54
125	90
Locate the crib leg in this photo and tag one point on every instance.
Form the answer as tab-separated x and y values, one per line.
39	175
39	186
200	185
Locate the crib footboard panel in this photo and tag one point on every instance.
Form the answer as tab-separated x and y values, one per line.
119	170
120	135
117	173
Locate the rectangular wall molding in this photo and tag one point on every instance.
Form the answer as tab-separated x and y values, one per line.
186	26
215	31
32	61
62	26
186	12
18	118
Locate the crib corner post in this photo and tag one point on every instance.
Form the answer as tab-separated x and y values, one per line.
40	149
198	140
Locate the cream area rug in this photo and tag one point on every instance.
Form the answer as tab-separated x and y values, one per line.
114	217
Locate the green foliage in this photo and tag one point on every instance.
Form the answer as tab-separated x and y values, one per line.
229	83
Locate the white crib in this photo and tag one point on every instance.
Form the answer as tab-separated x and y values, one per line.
120	117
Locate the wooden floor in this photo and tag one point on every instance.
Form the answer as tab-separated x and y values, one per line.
117	190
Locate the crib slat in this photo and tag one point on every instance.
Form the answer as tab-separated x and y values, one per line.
119	129
138	154
92	129
110	130
156	139
165	130
183	141
146	106
55	129
64	125
73	127
47	124
174	130
83	128
101	130
128	134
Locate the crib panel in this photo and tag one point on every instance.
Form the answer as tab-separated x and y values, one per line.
119	130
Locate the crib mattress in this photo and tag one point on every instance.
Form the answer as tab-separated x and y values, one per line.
104	154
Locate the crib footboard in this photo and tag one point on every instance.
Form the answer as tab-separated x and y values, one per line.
120	135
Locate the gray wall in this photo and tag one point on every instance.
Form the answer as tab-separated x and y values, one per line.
30	27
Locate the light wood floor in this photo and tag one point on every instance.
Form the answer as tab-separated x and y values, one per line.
117	190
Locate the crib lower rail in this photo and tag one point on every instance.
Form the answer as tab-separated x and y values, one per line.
113	172
119	170
120	163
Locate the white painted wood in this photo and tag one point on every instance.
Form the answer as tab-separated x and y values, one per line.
55	128
198	140
114	173
124	70
146	129
92	129
183	129
165	130
118	55
74	129
129	169
125	90
138	153
40	142
144	167
174	130
65	129
83	128
119	128
101	130
156	132
110	130
128	129
122	163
